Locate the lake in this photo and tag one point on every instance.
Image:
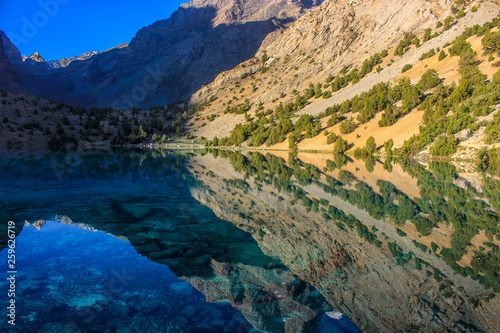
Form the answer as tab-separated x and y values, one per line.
223	241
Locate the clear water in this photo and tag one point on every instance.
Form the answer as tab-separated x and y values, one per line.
115	242
134	241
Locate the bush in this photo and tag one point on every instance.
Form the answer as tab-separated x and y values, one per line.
429	80
493	131
428	55
447	23
491	42
388	118
473	9
406	68
331	138
348	126
407	41
370	145
334	120
341	146
442	55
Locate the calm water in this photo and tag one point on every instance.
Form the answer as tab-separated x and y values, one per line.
224	242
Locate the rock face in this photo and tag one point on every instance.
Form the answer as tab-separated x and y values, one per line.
10	49
8	74
172	58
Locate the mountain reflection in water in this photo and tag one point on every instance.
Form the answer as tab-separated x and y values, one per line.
282	239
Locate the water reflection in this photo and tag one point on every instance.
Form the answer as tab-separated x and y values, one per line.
147	200
72	278
395	247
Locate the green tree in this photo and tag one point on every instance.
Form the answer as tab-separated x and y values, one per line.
388	146
347	126
442	55
341	146
370	145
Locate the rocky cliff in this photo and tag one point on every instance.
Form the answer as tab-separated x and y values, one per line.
10	49
9	78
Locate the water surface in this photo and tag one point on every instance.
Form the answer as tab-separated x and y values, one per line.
231	242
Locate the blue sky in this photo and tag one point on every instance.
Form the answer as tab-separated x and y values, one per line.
63	28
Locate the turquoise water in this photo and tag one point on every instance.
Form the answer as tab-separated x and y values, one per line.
77	280
116	242
219	241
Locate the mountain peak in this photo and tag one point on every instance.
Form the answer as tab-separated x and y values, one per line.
36	57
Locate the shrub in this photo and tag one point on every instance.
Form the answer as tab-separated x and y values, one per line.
331	138
334	120
406	68
429	80
348	126
427	55
447	23
491	42
341	146
370	145
493	131
442	55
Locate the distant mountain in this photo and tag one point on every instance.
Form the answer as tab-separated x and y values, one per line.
172	58
64	62
35	57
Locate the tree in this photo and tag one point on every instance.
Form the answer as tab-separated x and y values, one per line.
429	80
163	139
318	92
347	126
442	55
215	141
388	146
370	145
341	146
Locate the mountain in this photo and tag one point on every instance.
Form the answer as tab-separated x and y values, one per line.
64	62
10	49
338	52
9	78
172	58
337	34
36	57
37	60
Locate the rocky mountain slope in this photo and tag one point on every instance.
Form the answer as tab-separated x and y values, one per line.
9	78
336	35
170	59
